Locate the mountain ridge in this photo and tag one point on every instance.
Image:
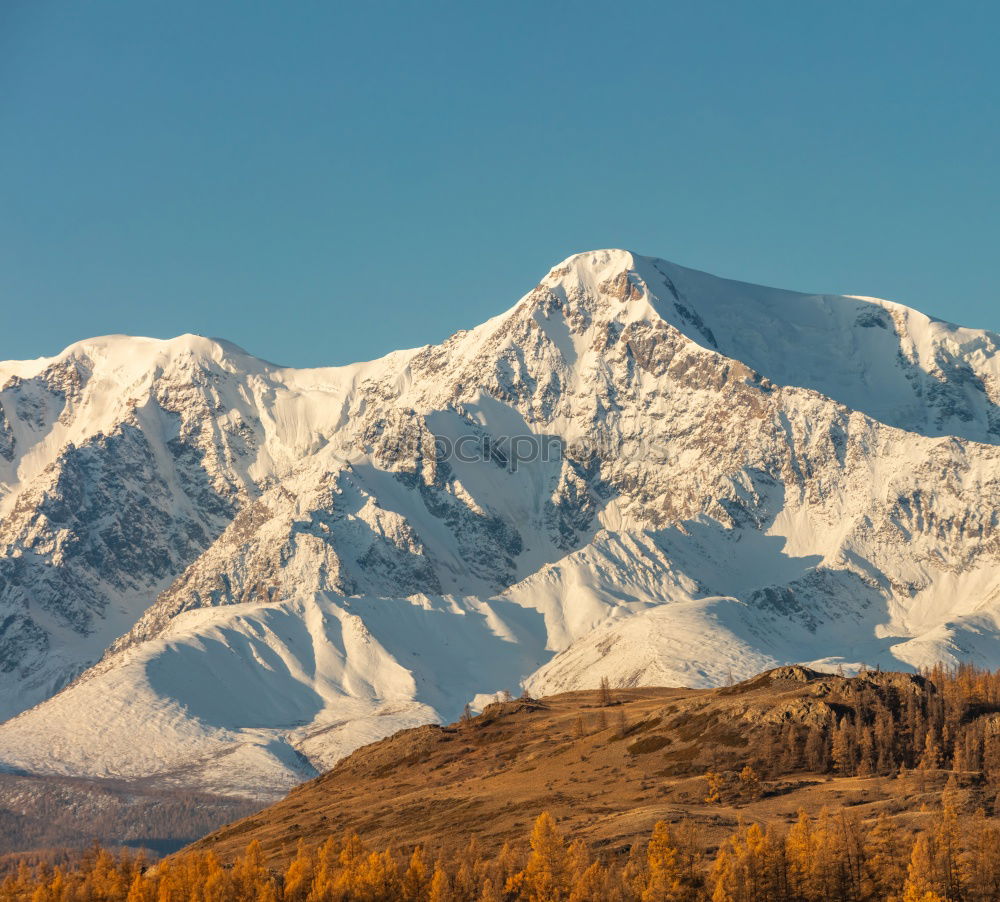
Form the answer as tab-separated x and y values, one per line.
637	471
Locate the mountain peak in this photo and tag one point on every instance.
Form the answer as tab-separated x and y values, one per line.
120	349
133	355
601	263
609	279
729	477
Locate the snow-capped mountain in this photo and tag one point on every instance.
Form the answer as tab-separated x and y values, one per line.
244	571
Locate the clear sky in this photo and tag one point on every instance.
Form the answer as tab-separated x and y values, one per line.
322	182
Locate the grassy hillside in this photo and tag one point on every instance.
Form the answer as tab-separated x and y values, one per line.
795	786
608	766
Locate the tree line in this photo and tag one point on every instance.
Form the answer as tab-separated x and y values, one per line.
949	720
819	859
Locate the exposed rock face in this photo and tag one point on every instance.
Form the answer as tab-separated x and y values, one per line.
99	514
639	471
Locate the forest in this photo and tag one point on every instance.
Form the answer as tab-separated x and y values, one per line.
954	724
823	858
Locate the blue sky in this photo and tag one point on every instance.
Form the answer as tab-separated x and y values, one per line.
322	182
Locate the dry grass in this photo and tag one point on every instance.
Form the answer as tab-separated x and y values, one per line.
440	786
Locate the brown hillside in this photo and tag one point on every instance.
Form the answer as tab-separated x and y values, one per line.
607	772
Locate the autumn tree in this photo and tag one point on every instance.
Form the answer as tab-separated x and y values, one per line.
664	879
750	867
800	857
299	874
417	877
981	861
591	885
750	788
714	785
885	859
545	877
842	750
440	889
921	877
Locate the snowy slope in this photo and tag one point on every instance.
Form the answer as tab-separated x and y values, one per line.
258	697
878	357
638	471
